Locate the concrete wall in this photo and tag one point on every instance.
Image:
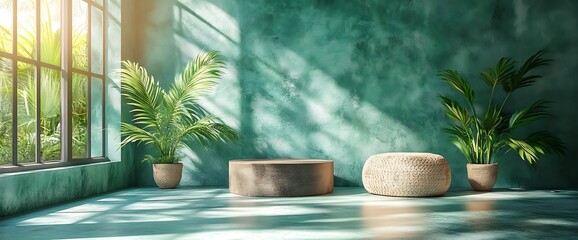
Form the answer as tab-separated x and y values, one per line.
24	191
342	79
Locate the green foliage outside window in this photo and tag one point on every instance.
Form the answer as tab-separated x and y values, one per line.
50	84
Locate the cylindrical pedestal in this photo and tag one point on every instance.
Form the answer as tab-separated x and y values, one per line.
280	177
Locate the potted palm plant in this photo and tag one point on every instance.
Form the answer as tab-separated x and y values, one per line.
481	134
166	119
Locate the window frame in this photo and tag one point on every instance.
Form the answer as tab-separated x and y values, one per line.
67	70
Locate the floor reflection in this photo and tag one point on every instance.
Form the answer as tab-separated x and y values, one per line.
348	213
394	222
480	214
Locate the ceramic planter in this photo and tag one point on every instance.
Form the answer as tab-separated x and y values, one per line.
167	175
482	177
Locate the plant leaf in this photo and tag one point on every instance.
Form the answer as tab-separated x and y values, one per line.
520	78
454	79
207	130
503	70
456	112
526	151
546	143
143	92
198	80
492	121
536	110
133	133
460	138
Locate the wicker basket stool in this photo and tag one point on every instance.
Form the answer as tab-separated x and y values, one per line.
406	174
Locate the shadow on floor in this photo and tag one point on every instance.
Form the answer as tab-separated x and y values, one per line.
348	213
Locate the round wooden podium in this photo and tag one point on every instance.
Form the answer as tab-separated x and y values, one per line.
280	177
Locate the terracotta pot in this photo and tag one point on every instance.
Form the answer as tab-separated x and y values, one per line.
482	177
167	175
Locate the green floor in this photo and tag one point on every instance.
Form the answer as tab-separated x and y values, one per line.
348	213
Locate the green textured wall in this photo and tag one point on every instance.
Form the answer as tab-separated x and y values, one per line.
24	191
343	80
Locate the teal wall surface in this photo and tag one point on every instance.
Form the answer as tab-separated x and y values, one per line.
25	191
343	80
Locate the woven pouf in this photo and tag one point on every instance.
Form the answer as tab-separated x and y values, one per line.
406	174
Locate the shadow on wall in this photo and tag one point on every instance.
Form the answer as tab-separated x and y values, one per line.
344	80
155	49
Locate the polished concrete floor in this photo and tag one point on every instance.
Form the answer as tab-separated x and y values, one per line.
348	213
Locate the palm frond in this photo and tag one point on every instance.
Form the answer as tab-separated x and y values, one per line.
198	80
144	93
503	70
541	142
133	134
526	151
460	138
521	79
535	111
455	80
50	45
50	94
546	143
456	112
207	130
492	120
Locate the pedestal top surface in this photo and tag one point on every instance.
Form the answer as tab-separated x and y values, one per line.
280	161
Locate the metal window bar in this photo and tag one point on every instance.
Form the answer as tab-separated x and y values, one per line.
66	86
38	153
104	61
29	61
84	72
89	80
98	5
14	83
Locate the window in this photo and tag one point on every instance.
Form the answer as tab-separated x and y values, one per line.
52	91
